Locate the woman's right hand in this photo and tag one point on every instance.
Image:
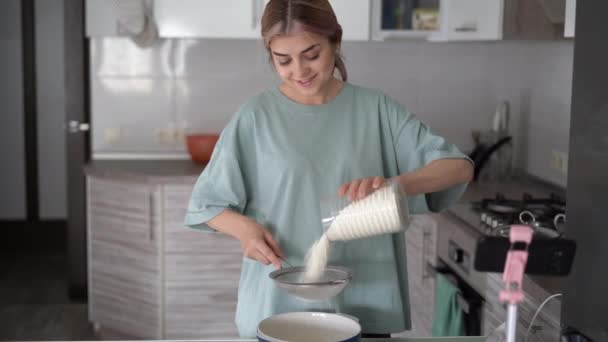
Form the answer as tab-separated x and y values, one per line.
258	244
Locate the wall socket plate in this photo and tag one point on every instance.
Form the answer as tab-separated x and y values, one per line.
170	135
112	135
559	162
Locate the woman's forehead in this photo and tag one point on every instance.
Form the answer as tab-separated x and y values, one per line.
295	43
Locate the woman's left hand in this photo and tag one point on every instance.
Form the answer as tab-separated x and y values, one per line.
360	188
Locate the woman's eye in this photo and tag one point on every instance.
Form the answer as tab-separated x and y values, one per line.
312	58
285	62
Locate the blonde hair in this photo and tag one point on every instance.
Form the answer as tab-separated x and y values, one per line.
282	17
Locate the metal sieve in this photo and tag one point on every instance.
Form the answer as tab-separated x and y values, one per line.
332	281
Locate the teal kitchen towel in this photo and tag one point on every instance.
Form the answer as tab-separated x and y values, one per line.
449	319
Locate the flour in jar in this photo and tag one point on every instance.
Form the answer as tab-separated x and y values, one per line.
381	212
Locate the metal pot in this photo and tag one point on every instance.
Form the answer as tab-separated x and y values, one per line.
309	326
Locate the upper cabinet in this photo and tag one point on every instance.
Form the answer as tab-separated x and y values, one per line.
241	18
404	19
101	18
570	18
435	20
499	20
209	19
353	16
469	20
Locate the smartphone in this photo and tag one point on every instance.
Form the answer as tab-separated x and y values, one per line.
552	257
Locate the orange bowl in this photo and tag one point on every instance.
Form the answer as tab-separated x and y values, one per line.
200	146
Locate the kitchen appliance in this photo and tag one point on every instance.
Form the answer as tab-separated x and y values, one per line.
455	250
309	326
544	215
493	151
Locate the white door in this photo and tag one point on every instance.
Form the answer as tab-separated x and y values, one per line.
470	20
354	16
209	19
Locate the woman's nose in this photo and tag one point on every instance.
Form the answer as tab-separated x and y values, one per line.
301	69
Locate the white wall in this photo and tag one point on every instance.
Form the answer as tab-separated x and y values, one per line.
454	87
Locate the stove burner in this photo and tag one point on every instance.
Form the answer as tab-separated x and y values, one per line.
544	214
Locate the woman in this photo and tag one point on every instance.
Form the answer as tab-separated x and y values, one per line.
314	135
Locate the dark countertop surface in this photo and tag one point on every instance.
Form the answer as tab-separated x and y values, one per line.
147	171
513	188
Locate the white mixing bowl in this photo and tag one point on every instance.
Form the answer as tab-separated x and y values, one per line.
309	326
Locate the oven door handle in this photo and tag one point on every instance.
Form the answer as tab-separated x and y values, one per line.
464	304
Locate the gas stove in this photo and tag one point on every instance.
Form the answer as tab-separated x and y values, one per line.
546	215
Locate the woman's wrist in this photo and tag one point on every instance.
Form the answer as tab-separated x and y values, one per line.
407	181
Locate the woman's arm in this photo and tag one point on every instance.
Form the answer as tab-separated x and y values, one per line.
437	175
256	241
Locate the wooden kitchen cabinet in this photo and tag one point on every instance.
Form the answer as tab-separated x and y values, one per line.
202	273
124	257
151	277
421	241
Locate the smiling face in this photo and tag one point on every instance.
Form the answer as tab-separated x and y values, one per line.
305	62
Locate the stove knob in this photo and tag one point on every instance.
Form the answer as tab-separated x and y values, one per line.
459	255
483	217
488	220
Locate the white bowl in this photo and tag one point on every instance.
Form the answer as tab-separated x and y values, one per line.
309	326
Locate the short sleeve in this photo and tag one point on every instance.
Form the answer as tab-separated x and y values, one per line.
221	185
416	146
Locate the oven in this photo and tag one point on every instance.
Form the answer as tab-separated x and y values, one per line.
455	250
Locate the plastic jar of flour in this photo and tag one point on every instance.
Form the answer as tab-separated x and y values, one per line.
383	211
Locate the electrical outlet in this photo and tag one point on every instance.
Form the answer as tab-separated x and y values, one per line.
164	136
559	162
112	134
179	135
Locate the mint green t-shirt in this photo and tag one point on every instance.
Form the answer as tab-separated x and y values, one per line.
277	158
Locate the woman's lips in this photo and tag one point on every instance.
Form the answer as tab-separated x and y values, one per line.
307	82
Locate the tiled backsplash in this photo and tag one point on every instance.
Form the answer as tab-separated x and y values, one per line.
139	95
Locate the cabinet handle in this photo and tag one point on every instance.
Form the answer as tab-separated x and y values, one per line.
466	28
150	201
425	237
254	13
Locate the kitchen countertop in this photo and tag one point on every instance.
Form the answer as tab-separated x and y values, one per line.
420	339
186	172
513	188
147	171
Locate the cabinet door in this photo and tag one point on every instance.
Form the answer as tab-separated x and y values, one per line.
202	273
124	259
470	20
209	19
354	17
420	244
570	18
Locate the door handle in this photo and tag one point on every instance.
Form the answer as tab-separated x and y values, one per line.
77	126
